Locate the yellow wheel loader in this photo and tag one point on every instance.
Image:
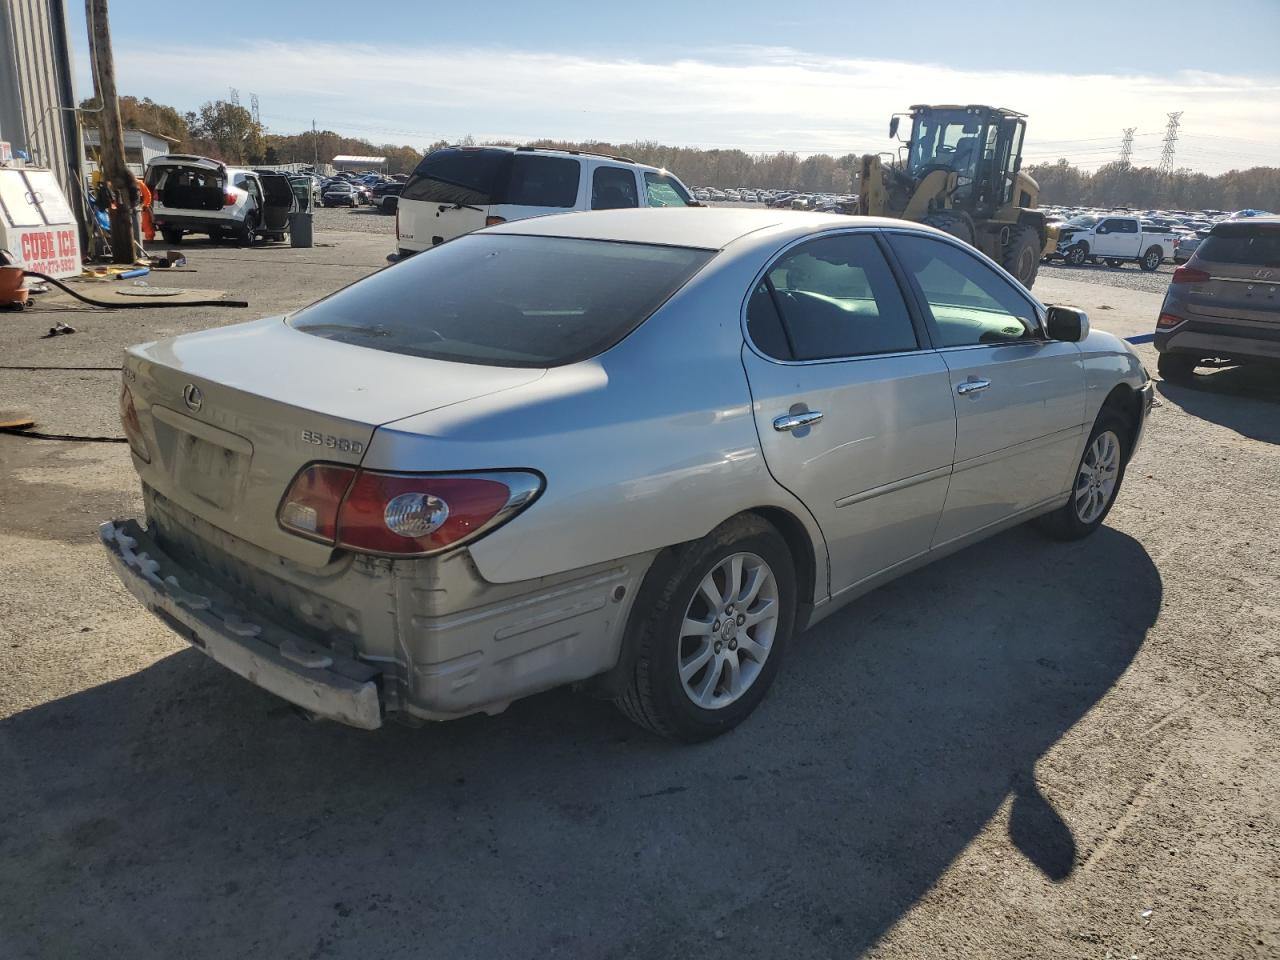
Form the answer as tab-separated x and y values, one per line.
961	172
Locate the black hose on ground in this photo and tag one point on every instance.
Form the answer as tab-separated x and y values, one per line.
133	306
37	435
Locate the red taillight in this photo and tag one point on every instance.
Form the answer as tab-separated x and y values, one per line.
494	221
1190	275
1167	320
310	507
133	427
228	199
401	514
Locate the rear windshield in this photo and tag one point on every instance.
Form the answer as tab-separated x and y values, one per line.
506	300
1254	244
480	177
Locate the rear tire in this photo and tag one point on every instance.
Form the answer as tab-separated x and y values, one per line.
1177	367
172	236
1022	256
745	636
1077	254
1150	261
1096	482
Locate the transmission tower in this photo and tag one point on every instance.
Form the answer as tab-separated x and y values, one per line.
235	96
253	109
1126	146
1170	139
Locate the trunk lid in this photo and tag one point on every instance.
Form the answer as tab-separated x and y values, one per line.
231	415
179	182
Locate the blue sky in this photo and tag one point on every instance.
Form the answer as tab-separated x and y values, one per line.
806	76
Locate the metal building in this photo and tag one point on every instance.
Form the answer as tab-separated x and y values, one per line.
36	97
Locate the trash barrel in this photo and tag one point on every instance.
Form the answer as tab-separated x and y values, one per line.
300	228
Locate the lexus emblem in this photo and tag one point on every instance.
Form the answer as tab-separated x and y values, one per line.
192	396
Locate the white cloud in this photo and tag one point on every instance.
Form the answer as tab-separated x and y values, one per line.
757	98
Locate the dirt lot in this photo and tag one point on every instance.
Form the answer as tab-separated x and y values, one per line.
1026	750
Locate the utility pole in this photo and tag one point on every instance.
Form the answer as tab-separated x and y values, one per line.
111	134
315	146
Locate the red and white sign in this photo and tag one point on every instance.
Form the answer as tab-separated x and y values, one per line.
53	251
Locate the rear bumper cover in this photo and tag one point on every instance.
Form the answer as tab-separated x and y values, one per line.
196	222
293	668
1224	339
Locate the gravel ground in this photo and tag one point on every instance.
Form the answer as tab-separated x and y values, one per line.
356	220
1029	749
1128	277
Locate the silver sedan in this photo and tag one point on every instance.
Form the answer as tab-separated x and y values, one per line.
637	451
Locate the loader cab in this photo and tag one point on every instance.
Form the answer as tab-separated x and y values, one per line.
981	146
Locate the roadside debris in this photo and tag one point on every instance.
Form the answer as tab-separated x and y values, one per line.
59	329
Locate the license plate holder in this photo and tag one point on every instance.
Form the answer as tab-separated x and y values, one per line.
209	471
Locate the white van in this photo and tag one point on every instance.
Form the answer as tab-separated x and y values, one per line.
459	189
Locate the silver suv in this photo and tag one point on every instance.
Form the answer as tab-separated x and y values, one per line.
1224	304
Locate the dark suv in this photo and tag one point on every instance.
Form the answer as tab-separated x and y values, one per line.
1224	304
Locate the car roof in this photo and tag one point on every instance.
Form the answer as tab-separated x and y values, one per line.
702	227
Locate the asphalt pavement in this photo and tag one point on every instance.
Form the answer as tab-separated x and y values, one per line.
1029	749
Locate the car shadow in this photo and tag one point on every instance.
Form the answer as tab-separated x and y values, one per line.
1242	399
180	809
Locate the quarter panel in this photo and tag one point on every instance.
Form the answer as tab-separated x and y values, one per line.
653	443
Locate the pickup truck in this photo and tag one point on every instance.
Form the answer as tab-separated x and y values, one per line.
1115	240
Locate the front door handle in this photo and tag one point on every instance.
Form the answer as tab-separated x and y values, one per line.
971	386
793	420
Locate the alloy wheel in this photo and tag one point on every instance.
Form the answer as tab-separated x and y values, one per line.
1096	481
728	631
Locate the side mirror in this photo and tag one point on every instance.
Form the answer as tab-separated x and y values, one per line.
1068	324
893	126
1101	230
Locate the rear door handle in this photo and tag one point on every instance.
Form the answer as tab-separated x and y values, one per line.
971	386
793	420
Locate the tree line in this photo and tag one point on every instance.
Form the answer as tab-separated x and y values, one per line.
1124	185
227	131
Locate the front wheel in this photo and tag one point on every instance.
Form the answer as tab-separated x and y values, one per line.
1077	255
248	231
709	638
1097	481
1151	260
1022	256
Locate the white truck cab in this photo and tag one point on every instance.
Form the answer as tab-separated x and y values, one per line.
459	189
1116	240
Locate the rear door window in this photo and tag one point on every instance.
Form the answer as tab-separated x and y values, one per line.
506	299
664	192
539	181
836	297
1251	244
613	188
462	175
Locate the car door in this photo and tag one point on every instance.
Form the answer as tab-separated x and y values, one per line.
613	188
1108	240
853	409
1019	398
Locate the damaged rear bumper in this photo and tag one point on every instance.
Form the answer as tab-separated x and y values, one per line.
293	668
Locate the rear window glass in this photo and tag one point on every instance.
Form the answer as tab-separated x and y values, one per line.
457	176
1254	244
506	300
542	182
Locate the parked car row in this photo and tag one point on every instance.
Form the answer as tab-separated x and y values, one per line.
791	199
1168	235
